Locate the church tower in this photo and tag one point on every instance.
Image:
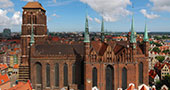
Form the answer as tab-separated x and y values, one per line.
86	52
33	24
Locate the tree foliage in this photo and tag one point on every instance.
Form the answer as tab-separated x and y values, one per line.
156	49
164	81
160	58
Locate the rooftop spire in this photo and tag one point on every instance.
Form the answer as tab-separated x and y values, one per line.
102	30
86	34
133	34
32	41
146	34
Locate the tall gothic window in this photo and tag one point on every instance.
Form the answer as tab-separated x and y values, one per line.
34	19
124	78
29	19
94	74
140	73
65	75
74	73
57	75
38	73
109	78
48	75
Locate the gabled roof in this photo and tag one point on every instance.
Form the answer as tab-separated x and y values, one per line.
143	88
33	5
131	87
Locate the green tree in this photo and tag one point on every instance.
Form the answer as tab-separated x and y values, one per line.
156	49
166	51
160	58
164	81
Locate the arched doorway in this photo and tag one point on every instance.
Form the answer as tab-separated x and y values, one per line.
109	77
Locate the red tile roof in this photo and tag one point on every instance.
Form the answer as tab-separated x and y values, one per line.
22	86
16	66
99	47
3	66
4	78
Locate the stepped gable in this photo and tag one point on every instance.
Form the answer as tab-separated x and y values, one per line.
33	5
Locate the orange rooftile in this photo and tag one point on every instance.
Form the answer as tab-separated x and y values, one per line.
4	78
16	66
22	86
33	5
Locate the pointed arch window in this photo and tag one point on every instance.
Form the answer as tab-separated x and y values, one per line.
94	74
109	77
65	75
47	75
28	19
74	73
38	73
124	78
140	73
57	75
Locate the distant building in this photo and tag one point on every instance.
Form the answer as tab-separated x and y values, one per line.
165	70
6	33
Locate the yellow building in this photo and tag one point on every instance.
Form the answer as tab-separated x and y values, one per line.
165	70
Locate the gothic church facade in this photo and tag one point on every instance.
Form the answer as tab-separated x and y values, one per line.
107	65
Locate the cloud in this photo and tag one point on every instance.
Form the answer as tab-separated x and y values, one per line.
97	20
7	21
55	15
161	5
111	10
59	2
29	0
150	16
6	4
16	18
90	18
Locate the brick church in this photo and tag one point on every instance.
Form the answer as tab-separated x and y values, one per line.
105	65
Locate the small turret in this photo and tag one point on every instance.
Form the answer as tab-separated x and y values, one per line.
133	33
146	42
102	31
146	39
86	34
